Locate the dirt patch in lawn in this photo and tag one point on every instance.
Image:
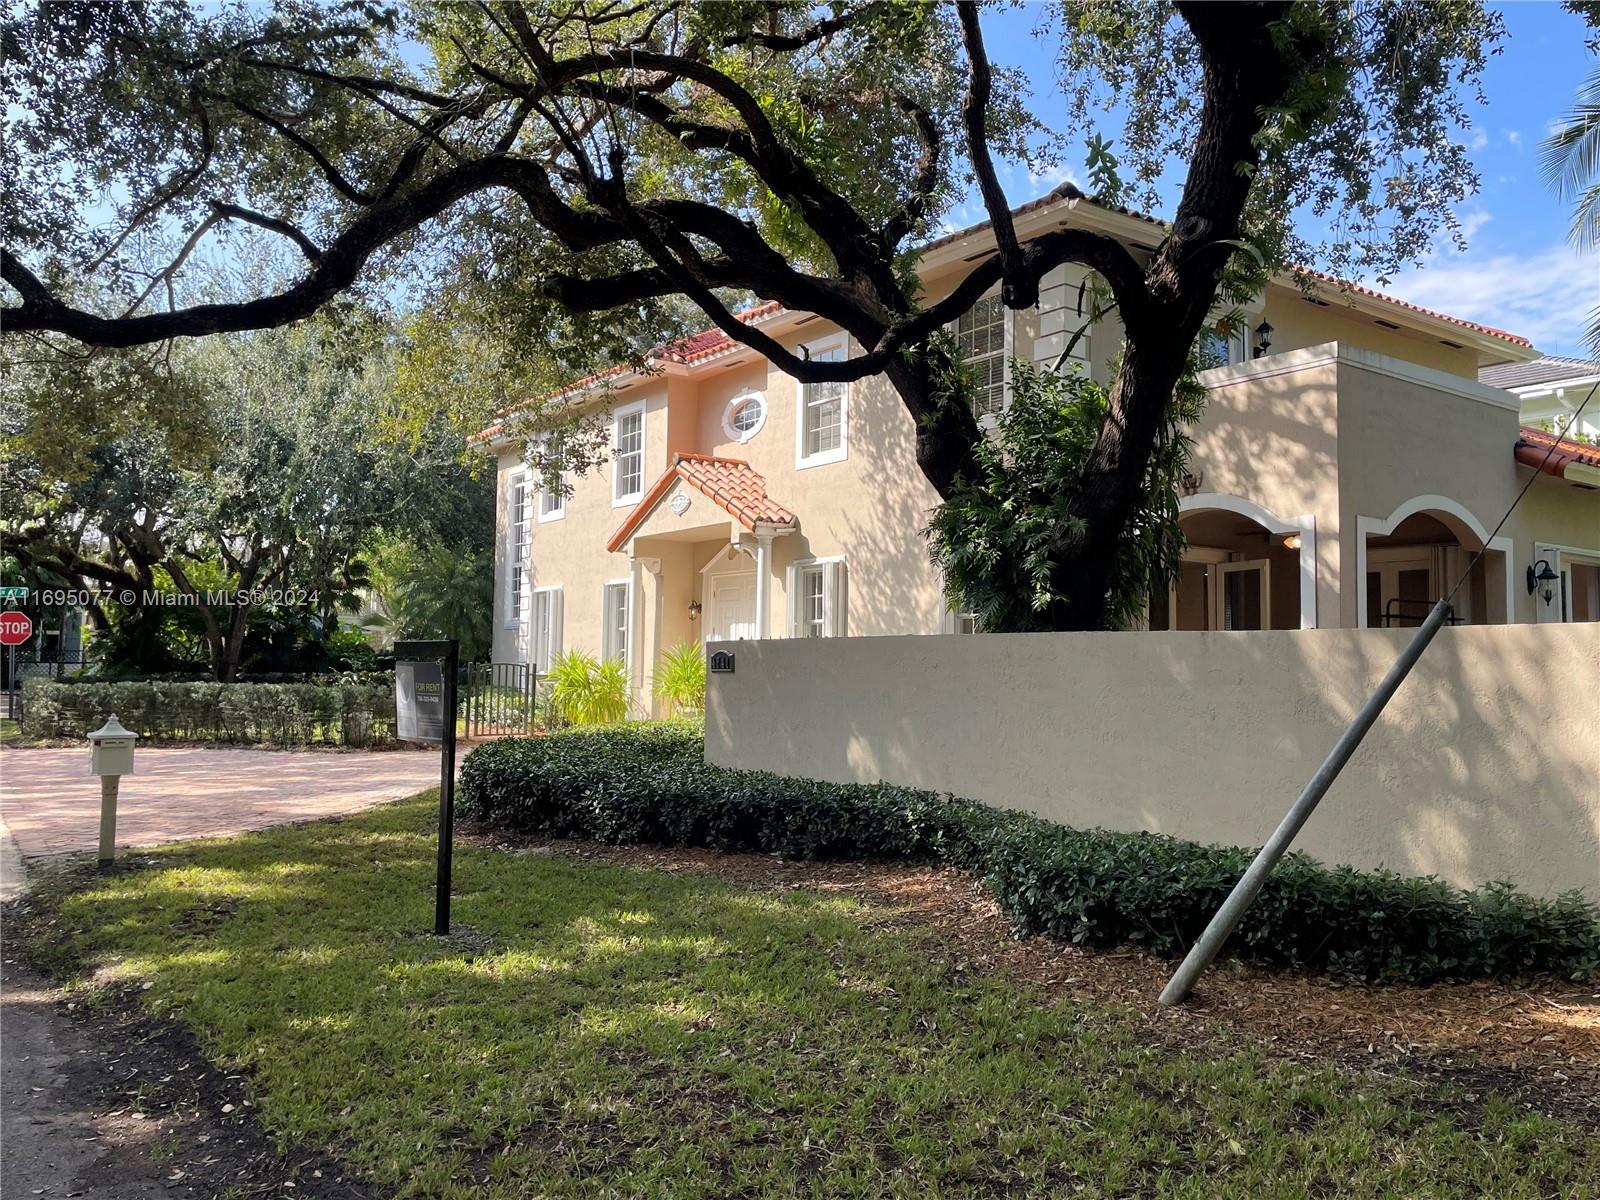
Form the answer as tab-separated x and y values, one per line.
1537	1040
107	1101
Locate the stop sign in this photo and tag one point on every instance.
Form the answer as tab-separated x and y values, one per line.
15	628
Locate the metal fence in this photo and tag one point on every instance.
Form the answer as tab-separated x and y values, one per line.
20	664
498	699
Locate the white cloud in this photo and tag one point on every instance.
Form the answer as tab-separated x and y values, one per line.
1514	136
1546	296
1478	140
1473	220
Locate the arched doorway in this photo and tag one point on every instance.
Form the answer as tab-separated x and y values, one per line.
1408	560
1244	568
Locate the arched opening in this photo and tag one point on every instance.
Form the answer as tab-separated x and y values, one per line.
1243	569
1410	560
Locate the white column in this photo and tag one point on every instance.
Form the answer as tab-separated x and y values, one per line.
763	583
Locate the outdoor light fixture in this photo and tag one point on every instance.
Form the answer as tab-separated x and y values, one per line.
1191	481
1263	338
1543	580
1292	542
694	610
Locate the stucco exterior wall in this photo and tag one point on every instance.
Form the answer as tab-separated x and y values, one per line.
1486	764
1298	323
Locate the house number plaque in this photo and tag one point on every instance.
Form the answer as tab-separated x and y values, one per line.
722	663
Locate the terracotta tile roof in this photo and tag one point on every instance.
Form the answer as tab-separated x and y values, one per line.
1553	455
731	484
697	347
708	343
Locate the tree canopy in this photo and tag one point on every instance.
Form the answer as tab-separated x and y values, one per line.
565	178
270	511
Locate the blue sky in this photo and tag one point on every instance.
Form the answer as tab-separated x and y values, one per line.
1519	272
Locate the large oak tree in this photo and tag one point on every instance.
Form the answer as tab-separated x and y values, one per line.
580	166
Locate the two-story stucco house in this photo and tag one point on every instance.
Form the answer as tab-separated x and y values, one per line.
1348	465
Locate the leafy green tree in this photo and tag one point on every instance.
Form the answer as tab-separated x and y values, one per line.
261	535
993	538
438	593
568	175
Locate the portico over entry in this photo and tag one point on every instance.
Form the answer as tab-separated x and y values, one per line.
700	545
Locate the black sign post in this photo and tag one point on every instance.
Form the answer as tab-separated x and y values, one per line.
425	711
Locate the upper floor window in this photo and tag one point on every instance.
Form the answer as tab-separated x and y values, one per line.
517	531
552	501
983	335
627	453
1226	348
822	416
745	415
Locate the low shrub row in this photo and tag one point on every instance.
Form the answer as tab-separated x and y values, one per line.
355	711
1093	887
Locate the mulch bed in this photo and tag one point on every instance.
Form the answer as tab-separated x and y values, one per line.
1536	1039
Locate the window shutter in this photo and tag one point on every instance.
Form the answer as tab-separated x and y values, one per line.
791	589
555	630
833	603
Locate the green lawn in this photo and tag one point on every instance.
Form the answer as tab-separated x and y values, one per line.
630	1033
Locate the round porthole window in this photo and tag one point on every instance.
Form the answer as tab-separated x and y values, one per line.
744	416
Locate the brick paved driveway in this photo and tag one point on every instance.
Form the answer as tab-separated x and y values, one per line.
50	803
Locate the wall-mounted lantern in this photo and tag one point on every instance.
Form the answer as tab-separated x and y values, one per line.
1191	482
1263	338
1291	541
695	609
1543	580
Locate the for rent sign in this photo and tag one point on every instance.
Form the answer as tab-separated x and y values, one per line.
419	701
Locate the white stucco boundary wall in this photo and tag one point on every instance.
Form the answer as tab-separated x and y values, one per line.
1485	766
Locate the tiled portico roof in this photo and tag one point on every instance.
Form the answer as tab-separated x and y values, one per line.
730	483
1553	455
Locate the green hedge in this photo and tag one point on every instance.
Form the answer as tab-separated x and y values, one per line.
356	710
1093	887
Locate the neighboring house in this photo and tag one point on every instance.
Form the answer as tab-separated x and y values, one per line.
1551	390
1344	474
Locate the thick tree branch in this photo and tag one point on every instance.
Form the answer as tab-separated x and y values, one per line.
239	213
975	116
926	183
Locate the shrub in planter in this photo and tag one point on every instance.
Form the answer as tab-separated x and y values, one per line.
1093	887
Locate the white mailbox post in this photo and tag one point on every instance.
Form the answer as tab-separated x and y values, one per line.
110	757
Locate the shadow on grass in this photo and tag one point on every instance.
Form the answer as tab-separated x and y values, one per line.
669	1034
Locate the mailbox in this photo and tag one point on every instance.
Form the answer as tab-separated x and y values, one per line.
111	749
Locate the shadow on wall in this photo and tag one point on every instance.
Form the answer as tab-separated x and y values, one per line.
1484	766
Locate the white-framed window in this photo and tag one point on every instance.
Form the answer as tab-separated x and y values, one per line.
960	622
817	598
616	619
822	416
518	529
983	334
627	454
544	627
744	416
552	501
1229	349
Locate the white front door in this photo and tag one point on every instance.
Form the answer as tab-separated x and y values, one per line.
733	608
